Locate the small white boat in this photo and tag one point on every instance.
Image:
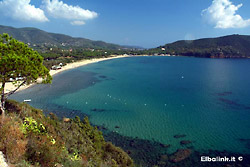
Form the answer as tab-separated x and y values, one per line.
27	100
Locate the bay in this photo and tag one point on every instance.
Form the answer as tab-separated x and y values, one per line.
157	98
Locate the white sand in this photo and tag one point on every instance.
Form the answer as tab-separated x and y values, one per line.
10	86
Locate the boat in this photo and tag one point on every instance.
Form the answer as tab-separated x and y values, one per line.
27	100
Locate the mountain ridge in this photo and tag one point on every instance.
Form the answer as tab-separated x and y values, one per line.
36	36
230	46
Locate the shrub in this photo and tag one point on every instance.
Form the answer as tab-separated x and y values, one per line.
117	155
41	149
32	126
13	142
29	138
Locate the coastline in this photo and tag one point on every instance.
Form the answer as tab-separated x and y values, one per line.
10	86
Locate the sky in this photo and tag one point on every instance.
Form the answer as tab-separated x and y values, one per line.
145	23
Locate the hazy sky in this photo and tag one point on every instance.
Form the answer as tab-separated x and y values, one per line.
146	23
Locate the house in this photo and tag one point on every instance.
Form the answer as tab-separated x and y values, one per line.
57	67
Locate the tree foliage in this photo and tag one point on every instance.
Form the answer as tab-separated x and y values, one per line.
20	65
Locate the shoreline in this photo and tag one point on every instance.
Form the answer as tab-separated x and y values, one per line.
9	86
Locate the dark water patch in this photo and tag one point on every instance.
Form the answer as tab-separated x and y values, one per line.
101	127
62	84
233	104
106	110
246	142
106	78
98	110
67	114
147	153
186	142
62	111
247	107
102	76
72	82
224	93
229	102
179	136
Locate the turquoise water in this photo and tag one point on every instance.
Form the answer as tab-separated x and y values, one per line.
155	98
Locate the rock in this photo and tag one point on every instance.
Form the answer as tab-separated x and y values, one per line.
103	76
185	142
161	163
129	152
98	110
117	127
66	119
164	157
180	155
165	145
2	160
179	136
52	116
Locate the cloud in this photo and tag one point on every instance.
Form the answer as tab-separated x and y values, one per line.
22	10
77	23
222	14
58	9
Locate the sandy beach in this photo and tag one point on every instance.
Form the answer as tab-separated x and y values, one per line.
10	86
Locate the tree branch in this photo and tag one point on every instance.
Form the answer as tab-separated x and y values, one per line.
11	92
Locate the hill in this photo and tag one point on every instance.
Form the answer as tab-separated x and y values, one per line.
35	36
29	138
232	46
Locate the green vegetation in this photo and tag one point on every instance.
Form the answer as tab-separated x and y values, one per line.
39	39
232	46
59	48
56	56
19	65
29	138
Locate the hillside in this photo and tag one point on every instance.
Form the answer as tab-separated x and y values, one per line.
36	36
232	46
29	138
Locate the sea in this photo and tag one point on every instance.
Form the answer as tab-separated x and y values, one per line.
175	102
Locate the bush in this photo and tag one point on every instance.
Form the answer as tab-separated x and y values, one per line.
13	142
29	138
32	126
117	155
41	149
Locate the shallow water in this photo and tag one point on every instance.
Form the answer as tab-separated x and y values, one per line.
155	98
